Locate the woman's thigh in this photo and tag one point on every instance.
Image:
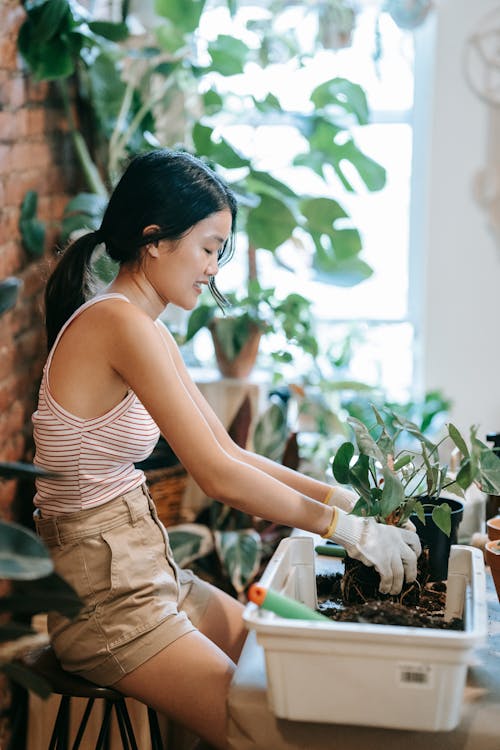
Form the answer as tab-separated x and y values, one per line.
187	681
222	622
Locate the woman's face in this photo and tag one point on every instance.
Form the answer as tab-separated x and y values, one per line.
178	269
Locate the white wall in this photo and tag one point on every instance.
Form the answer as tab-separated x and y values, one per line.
458	281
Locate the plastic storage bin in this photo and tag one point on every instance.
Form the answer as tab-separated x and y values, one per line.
364	674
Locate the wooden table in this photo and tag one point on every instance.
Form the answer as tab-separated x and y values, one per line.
252	726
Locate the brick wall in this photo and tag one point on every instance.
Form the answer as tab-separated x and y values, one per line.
35	154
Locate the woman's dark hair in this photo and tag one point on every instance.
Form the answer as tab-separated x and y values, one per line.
171	189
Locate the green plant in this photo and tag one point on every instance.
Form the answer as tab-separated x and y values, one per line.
33	586
259	309
393	477
170	86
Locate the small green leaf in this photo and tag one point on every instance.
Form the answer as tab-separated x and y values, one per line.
32	229
9	289
458	440
115	32
240	553
342	463
441	515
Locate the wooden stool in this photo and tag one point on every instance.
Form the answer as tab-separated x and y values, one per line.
44	663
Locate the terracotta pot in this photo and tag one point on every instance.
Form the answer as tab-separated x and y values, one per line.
493	527
243	363
492	553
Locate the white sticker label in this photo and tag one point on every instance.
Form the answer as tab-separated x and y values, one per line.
415	675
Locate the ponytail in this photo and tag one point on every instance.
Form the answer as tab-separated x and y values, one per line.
70	285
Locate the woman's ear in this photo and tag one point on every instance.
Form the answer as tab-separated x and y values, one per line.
151	247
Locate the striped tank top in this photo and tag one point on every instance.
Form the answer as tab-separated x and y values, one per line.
94	458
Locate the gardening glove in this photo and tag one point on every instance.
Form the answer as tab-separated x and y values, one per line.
341	498
390	550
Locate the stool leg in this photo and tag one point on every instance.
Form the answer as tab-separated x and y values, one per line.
83	724
154	730
125	725
59	738
103	733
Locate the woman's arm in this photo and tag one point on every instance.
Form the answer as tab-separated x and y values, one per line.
300	482
139	353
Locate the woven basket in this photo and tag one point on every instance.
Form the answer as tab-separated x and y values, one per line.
166	487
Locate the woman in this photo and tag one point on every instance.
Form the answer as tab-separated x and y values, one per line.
114	380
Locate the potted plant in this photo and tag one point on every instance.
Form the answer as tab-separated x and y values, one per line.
400	481
236	334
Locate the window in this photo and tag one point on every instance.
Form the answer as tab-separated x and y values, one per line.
375	312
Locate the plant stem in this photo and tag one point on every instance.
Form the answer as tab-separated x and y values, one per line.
92	176
252	262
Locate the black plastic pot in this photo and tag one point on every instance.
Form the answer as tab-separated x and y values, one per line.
436	540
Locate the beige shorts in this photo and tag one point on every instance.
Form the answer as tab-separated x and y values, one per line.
136	600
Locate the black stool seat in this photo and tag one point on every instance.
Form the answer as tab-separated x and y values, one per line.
44	663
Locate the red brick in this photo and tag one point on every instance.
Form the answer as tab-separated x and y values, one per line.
10	259
15	92
34	278
29	155
8	126
8	53
36	121
12	15
5	163
18	184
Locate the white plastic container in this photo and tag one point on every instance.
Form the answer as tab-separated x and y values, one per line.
364	674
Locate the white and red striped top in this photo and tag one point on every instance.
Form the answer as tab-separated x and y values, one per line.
94	458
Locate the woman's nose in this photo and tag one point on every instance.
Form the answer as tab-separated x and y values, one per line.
213	266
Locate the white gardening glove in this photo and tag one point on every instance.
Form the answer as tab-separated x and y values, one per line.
392	551
341	497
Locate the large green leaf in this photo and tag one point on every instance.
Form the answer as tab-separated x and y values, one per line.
23	556
220	152
27	678
340	92
240	553
228	55
270	223
107	91
189	541
47	594
372	173
182	15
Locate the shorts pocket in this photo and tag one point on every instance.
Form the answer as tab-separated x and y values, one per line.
143	586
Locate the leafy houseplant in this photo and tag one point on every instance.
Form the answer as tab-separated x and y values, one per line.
168	85
257	313
396	483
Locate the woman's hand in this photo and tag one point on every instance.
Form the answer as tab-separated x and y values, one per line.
390	550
